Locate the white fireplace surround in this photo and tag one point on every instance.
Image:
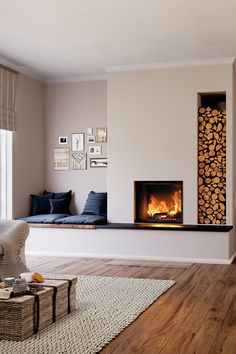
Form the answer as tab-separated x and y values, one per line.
152	135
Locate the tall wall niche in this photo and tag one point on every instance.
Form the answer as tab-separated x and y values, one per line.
212	158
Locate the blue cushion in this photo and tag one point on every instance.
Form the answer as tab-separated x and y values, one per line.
41	204
58	206
43	219
82	219
96	204
65	195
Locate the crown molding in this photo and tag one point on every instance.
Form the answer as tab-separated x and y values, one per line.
58	80
170	64
113	68
21	69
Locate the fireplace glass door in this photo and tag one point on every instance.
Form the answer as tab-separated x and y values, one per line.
158	201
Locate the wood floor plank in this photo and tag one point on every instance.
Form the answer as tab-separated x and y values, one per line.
138	263
196	315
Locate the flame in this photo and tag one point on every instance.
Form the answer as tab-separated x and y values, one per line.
171	206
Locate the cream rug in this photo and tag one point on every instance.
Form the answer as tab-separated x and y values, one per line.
105	307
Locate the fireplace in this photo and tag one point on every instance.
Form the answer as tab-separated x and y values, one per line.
158	201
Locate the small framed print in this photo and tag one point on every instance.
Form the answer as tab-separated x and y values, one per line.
91	139
61	159
63	140
101	135
78	161
77	142
95	150
98	162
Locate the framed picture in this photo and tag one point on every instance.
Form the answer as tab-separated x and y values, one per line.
101	135
61	159
91	139
77	142
98	162
78	161
63	140
95	150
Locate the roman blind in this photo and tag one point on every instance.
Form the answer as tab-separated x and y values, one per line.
7	98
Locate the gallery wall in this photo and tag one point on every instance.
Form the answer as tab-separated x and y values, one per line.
28	144
73	108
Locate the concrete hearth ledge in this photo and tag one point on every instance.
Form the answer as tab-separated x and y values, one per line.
189	243
136	226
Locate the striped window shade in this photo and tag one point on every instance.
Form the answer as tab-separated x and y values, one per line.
7	98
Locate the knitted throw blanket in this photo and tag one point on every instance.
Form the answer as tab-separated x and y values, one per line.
13	234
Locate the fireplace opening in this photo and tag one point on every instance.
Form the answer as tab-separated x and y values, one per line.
158	201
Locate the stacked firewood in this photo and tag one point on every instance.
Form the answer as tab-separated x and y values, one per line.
211	166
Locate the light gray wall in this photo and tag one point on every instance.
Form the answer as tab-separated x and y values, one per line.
152	121
72	108
28	144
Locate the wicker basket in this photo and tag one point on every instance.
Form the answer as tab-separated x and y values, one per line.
61	283
18	315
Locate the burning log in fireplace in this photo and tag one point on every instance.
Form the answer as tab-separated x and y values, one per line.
165	206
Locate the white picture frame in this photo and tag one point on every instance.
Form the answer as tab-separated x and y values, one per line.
97	162
63	140
95	150
91	139
77	141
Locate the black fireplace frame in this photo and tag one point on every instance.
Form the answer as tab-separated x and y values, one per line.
152	221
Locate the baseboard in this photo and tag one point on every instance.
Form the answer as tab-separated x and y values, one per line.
141	258
232	258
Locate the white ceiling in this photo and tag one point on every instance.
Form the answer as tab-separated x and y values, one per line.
66	39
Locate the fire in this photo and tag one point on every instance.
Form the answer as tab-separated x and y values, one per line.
169	207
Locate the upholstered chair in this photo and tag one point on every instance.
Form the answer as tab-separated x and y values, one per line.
13	234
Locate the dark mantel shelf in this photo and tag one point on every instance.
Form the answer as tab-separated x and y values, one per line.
168	227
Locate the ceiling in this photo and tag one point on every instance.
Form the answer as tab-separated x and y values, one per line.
70	39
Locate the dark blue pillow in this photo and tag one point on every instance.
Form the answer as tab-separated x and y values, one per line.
65	195
58	206
41	204
96	204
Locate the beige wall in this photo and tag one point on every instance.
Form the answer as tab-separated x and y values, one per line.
152	121
232	245
72	108
28	144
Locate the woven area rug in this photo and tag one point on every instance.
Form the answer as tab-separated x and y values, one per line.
105	307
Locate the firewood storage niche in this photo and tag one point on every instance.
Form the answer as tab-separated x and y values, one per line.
212	158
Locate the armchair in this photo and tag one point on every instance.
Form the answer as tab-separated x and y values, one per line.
13	234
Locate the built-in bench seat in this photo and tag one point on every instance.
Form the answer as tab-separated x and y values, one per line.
133	241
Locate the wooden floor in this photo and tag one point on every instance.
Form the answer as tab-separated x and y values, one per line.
197	315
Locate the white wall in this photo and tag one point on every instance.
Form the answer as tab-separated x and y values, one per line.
152	121
185	246
72	108
28	144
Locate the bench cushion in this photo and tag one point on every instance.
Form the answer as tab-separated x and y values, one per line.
43	218
82	219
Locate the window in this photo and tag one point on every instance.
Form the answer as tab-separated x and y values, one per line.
5	174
